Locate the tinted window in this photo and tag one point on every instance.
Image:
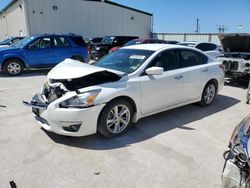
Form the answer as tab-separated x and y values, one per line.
133	42
167	60
108	40
188	58
41	43
61	42
125	60
206	46
78	41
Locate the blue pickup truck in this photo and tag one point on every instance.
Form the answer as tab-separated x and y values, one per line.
42	51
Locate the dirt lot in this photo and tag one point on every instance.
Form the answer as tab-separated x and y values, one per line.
178	148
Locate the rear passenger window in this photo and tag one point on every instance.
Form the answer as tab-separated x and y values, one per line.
61	42
206	47
188	58
167	60
78	41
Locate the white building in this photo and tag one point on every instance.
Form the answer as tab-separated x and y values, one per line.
87	18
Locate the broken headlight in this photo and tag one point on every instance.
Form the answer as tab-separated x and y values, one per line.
82	100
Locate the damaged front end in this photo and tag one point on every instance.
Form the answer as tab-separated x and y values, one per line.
237	55
64	105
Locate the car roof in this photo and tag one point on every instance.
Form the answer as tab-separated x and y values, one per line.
155	47
50	35
195	42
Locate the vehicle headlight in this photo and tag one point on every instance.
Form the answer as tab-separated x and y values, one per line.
82	100
97	48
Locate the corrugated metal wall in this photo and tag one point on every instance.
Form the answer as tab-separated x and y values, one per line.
183	37
87	18
12	21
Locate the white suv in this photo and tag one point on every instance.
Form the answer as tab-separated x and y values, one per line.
123	87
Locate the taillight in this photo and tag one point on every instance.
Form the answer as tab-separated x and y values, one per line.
222	67
88	50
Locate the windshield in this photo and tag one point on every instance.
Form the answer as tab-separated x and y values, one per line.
125	60
133	42
23	42
6	41
108	40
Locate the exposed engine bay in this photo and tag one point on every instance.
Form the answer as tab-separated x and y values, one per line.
56	88
237	55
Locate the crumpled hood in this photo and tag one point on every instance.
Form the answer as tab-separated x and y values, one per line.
235	42
70	69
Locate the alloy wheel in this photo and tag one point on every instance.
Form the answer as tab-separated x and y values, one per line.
118	119
209	94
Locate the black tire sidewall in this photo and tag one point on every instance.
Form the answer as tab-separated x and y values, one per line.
102	123
5	66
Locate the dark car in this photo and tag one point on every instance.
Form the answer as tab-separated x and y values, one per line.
93	40
10	40
42	51
100	49
144	41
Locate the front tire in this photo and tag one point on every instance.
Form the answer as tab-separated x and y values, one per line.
13	67
208	94
116	118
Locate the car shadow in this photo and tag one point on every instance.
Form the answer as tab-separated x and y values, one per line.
27	73
237	83
149	127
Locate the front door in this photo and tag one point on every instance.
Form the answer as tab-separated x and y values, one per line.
39	53
162	91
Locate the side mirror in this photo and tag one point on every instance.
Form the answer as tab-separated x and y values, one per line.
154	71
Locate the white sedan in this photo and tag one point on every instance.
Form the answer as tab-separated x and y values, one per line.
134	82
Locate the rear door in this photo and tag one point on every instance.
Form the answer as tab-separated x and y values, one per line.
195	72
62	49
39	53
161	91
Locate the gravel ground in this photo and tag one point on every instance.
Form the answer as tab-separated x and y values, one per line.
178	148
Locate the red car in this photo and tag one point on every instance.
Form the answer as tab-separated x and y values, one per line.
143	41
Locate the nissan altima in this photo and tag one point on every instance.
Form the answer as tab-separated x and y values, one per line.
134	82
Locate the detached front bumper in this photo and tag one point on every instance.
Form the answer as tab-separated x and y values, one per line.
65	121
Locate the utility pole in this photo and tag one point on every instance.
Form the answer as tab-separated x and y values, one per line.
197	30
221	28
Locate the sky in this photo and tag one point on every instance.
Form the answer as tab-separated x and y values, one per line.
180	15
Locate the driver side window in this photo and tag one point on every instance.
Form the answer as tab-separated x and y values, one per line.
167	60
41	43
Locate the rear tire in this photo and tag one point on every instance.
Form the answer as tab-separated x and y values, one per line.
208	94
116	118
13	67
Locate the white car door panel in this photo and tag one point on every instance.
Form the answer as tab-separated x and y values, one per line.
194	82
161	91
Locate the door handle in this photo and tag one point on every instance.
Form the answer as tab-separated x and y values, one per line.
204	70
178	77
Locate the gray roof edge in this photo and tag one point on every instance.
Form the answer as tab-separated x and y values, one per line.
8	5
